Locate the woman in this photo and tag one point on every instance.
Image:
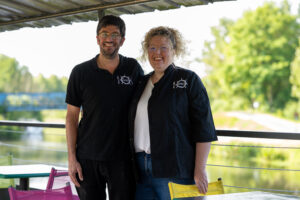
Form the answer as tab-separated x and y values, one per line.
170	121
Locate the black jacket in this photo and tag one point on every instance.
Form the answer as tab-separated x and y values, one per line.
179	116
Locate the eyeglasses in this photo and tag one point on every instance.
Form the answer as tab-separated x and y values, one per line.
153	49
113	36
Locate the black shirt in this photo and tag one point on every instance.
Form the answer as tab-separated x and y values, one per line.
104	98
179	116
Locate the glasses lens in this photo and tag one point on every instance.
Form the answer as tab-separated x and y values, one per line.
103	35
115	35
161	49
106	35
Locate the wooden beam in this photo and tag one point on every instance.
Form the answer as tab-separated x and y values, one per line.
76	11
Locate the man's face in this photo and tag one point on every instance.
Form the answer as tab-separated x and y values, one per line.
110	40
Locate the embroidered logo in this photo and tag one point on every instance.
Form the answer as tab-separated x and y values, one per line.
180	84
124	80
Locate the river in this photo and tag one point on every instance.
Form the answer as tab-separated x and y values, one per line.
36	148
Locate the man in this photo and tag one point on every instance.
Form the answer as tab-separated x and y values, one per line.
98	147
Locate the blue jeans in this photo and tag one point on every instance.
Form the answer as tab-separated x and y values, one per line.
149	187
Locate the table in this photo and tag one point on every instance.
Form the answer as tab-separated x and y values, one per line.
24	172
247	196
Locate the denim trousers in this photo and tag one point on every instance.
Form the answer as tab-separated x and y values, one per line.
149	187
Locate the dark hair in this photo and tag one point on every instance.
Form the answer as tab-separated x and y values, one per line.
112	20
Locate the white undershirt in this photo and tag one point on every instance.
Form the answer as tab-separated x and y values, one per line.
141	122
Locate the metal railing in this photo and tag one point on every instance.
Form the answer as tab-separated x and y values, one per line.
225	133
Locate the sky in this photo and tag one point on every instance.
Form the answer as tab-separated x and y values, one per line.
57	50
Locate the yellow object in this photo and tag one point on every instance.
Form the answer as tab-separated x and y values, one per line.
5	183
182	191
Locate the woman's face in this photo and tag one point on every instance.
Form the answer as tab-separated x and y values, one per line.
160	53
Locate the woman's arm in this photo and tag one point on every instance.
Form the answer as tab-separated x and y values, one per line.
200	177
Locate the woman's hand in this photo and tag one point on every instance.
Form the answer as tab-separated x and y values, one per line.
200	177
201	180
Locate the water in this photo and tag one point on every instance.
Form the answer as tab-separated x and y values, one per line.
269	180
33	146
34	135
36	147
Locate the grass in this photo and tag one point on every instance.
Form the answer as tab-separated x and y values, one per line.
54	134
264	157
222	121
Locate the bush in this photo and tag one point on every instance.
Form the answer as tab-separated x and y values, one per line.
291	109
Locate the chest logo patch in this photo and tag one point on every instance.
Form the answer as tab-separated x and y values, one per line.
124	80
180	84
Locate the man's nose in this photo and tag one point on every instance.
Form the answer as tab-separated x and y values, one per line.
109	38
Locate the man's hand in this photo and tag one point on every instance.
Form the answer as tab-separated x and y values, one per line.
71	133
201	180
75	168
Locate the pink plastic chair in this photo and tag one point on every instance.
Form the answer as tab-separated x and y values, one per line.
64	193
58	179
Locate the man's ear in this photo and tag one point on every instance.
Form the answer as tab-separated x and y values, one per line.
122	41
98	41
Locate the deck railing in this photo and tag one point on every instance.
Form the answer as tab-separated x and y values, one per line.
223	133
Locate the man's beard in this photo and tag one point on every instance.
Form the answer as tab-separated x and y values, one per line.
109	55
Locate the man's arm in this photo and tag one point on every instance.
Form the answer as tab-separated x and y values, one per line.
200	177
71	132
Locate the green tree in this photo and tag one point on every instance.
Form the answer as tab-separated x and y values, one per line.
51	84
56	84
295	78
13	77
40	84
213	56
256	60
295	71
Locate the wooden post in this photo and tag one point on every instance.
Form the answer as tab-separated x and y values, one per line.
101	13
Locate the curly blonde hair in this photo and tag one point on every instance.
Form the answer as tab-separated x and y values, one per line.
172	34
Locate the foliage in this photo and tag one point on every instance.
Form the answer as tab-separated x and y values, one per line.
14	78
213	57
23	115
51	84
295	78
250	59
291	109
55	116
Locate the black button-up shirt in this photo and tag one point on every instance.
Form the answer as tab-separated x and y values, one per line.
179	116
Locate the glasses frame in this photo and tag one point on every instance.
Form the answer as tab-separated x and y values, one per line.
162	49
113	36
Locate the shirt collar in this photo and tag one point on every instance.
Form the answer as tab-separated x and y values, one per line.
95	65
169	69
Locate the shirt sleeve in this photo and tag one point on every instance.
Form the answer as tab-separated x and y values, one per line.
73	95
202	124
